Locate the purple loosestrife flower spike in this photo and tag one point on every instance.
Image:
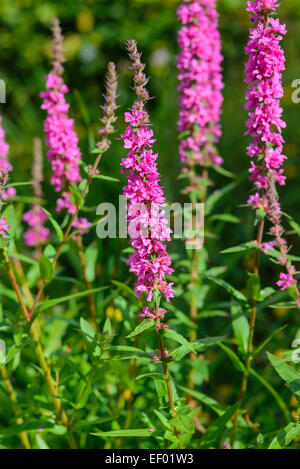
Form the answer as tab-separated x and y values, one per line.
200	77
64	153
264	77
37	234
148	229
5	166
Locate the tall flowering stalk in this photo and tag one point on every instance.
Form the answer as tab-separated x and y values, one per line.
64	153
265	124
103	145
264	77
148	229
107	128
200	90
150	261
199	73
37	234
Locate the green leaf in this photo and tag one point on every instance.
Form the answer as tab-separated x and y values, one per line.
206	400
199	345
263	344
240	326
253	287
55	225
87	329
231	290
240	248
10	215
90	256
154	376
23	258
214	432
288	374
221	170
106	178
126	348
142	327
17	184
141	432
226	217
90	338
107	327
126	290
33	427
184	423
238	365
212	314
285	436
215	197
55	301
172	334
46	269
274	393
276	255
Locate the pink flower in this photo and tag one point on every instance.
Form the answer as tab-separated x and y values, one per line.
158	357
63	149
266	246
285	281
37	233
3	227
81	224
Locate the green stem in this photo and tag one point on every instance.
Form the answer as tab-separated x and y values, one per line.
25	443
91	299
248	360
168	384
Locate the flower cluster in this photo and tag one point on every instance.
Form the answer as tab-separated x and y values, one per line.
5	166
64	153
37	233
199	66
3	227
148	229
159	357
154	315
264	77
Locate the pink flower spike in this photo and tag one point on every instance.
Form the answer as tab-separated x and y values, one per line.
147	228
200	86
